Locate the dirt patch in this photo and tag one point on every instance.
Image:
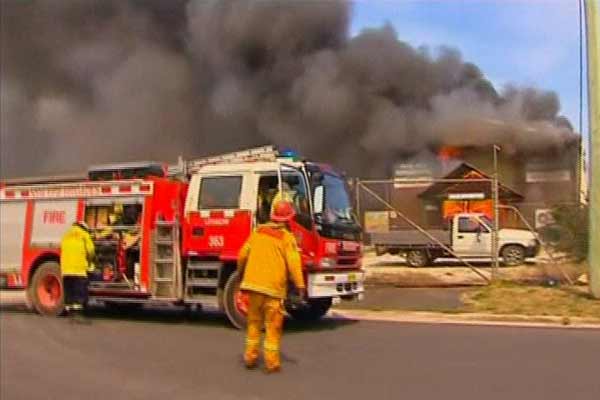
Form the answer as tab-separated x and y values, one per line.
543	273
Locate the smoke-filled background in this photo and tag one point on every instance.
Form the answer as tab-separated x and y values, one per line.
86	82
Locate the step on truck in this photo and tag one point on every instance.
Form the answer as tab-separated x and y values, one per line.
171	234
469	237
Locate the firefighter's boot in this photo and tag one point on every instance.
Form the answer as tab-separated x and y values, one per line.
76	315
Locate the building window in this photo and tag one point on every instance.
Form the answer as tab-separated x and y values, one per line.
221	192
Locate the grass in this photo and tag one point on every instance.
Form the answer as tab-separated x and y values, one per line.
510	298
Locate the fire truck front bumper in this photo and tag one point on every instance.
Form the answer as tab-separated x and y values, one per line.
344	285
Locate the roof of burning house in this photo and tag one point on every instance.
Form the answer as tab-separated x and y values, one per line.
472	182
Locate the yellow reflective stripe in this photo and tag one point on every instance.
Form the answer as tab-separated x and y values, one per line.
271	346
252	341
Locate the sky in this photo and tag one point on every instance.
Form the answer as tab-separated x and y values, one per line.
522	42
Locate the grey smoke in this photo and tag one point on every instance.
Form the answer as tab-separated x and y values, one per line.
97	81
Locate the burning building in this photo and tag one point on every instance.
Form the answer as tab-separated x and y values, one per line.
432	188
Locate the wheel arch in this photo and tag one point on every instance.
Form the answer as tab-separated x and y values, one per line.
48	256
505	245
227	270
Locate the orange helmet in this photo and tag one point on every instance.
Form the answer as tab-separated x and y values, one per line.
283	211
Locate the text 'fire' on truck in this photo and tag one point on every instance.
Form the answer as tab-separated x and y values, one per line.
171	234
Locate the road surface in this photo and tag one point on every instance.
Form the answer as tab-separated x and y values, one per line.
412	299
171	355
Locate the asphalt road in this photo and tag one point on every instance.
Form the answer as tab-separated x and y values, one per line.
171	355
412	299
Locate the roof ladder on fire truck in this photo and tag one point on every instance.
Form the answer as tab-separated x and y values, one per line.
166	266
263	153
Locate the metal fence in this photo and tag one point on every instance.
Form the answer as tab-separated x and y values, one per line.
425	208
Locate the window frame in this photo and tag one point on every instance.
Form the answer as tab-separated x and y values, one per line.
239	178
477	224
303	219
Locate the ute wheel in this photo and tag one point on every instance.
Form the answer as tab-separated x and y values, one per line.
235	302
314	310
45	290
417	258
513	255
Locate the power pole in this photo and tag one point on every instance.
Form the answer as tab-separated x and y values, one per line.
593	68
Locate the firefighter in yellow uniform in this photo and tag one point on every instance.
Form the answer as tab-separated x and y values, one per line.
77	255
267	259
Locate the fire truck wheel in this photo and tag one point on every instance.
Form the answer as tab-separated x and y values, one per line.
46	290
417	258
235	302
314	310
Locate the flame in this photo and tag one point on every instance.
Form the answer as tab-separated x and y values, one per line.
447	153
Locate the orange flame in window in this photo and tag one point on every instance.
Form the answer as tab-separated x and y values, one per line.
447	153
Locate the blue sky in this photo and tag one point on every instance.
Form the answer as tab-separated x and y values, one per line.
522	42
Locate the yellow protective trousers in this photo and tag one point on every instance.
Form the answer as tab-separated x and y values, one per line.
264	311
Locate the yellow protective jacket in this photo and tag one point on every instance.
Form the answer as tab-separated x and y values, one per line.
77	252
267	258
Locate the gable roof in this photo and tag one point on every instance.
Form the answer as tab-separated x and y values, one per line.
467	171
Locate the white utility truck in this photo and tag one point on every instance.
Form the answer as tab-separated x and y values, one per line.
469	236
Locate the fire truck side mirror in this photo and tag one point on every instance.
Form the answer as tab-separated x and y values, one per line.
319	199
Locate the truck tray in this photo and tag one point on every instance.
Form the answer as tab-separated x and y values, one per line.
409	238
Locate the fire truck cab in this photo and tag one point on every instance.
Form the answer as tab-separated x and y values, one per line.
172	235
225	201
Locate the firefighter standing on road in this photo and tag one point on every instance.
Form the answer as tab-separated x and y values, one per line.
77	254
266	259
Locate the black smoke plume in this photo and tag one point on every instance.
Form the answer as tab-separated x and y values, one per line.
98	81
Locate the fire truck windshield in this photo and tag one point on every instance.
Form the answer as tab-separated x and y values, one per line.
333	208
337	205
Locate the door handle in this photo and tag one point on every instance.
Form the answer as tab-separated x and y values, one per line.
460	237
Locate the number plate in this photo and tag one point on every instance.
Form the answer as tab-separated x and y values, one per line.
352	278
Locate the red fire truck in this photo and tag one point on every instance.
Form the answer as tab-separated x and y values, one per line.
171	234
